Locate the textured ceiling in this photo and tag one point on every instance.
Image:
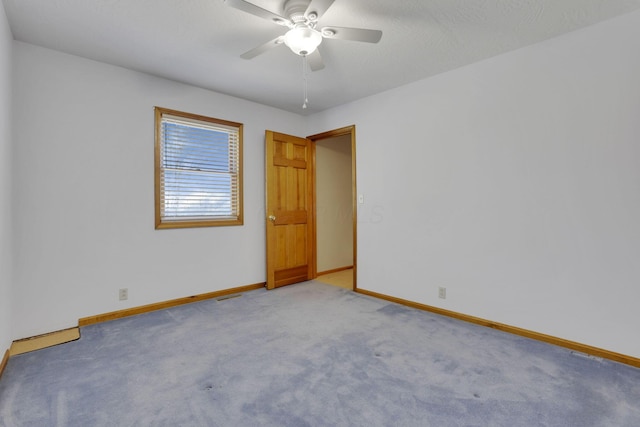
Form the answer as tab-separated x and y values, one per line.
199	42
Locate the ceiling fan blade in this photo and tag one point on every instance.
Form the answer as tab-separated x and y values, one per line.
315	61
318	8
251	8
356	34
263	48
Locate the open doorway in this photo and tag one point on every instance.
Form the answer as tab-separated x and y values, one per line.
335	197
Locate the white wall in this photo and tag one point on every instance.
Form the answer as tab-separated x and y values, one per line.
334	208
84	140
515	183
6	262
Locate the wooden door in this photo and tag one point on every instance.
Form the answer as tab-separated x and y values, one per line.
289	209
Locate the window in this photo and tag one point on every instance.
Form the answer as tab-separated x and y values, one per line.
198	170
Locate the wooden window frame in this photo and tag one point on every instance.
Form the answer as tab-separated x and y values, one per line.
202	221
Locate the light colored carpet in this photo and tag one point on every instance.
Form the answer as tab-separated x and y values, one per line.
310	355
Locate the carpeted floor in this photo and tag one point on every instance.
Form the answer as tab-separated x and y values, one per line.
310	355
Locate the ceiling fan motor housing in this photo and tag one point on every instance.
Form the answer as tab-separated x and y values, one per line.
295	10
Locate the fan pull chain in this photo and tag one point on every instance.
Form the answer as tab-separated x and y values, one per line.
304	80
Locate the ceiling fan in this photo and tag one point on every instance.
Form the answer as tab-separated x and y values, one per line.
303	37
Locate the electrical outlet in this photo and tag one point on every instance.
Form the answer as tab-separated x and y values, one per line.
123	294
442	292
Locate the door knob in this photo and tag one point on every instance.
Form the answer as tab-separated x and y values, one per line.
272	218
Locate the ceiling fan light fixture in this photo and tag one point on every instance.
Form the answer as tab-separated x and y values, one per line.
302	40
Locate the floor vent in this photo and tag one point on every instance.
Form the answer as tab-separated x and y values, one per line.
228	297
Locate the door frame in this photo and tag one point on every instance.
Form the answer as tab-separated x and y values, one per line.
351	131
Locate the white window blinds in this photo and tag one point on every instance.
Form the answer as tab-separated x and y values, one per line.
199	173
